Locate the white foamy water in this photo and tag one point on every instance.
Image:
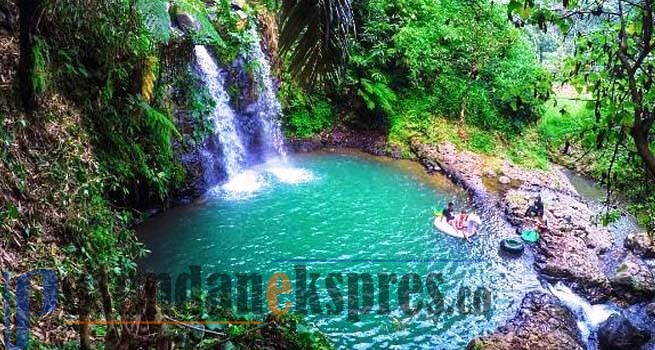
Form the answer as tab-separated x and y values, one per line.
245	183
289	175
252	181
589	316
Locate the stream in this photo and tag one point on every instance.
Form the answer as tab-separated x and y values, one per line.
591	316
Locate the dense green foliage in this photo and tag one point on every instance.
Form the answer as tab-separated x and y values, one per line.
459	60
305	114
412	61
613	64
119	102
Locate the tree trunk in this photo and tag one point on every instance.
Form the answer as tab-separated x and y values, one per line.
28	12
112	337
83	304
640	136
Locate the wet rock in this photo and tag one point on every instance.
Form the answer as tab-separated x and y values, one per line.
303	145
372	142
617	333
504	180
633	280
462	166
569	249
553	178
541	323
641	244
395	152
566	217
650	309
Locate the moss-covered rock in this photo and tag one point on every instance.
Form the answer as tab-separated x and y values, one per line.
633	280
642	244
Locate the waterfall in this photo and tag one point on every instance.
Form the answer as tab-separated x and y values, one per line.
589	316
267	108
231	148
223	117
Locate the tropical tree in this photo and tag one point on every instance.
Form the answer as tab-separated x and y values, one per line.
613	61
315	35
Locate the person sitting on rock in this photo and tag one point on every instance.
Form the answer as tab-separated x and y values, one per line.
536	211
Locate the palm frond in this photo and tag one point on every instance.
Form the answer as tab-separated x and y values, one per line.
314	33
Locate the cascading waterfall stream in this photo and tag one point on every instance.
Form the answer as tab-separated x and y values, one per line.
228	147
223	117
267	107
589	316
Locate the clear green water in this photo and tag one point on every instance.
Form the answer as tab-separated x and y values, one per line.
358	214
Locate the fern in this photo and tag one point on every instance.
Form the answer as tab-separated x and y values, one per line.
377	95
155	17
162	126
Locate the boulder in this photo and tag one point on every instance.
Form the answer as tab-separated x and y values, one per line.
489	173
650	309
617	333
505	180
569	249
633	280
541	323
395	152
641	244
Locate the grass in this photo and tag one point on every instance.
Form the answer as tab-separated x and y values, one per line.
526	149
564	119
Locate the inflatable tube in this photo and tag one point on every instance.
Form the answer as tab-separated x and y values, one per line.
442	225
512	245
530	236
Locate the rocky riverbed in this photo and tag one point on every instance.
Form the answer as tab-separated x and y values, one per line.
575	249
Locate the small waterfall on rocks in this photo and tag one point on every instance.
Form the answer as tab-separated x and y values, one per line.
267	108
245	146
589	316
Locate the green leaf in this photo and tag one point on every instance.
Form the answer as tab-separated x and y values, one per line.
156	19
12	212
